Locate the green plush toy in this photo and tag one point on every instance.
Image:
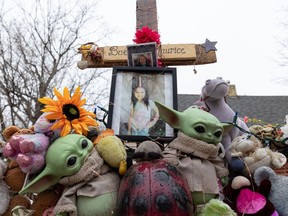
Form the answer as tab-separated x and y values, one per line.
90	185
216	207
196	150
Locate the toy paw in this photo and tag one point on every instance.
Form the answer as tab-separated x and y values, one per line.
26	146
237	164
9	151
30	164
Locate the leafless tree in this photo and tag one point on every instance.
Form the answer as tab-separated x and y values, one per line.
38	51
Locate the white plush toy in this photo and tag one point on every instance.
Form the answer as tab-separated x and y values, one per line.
4	190
251	151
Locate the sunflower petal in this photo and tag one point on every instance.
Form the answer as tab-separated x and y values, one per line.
77	127
59	95
89	121
84	126
84	112
66	129
46	100
58	124
49	108
66	94
54	115
76	97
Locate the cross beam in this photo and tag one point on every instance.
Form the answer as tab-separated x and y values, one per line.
170	54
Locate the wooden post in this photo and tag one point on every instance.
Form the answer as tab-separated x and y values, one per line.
146	14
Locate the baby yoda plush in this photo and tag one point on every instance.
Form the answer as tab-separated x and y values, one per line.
90	186
196	149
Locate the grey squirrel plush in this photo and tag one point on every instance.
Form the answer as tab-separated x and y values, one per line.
278	194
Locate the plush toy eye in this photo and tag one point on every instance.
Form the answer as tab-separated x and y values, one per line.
84	143
199	129
51	121
218	133
71	161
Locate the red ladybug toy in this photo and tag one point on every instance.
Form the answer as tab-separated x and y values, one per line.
153	188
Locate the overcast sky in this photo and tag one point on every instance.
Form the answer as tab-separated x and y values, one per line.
247	34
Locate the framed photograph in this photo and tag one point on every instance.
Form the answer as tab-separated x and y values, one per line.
142	55
133	114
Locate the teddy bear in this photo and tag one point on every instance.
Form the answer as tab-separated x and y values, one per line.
28	146
15	178
246	198
278	194
251	151
35	204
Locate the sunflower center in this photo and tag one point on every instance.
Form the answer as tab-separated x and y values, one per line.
71	111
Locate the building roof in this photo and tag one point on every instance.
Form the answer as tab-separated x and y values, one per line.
269	109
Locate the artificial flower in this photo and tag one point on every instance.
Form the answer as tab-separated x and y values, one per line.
68	112
146	35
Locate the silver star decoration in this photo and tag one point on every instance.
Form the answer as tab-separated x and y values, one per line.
208	45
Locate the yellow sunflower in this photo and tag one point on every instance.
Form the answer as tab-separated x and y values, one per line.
69	112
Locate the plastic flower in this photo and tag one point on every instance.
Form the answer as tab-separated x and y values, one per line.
68	112
146	35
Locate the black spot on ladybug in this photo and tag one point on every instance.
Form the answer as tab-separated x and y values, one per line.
180	196
171	168
163	203
124	203
162	176
138	179
140	205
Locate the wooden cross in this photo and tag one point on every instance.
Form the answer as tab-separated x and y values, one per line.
170	54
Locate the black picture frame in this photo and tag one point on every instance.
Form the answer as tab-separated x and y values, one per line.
148	51
161	84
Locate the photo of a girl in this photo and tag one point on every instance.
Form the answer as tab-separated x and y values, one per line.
143	111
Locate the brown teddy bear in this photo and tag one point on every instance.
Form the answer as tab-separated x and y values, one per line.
15	178
35	204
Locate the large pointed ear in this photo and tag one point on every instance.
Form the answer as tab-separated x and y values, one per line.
42	182
170	116
227	127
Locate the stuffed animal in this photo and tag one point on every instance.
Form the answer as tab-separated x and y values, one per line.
91	186
213	99
4	190
245	198
216	207
15	178
147	151
35	204
251	151
151	186
278	194
195	150
28	146
112	150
